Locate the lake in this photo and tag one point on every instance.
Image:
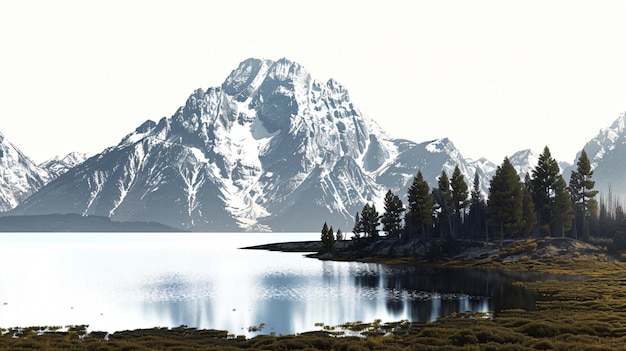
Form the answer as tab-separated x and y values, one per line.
119	281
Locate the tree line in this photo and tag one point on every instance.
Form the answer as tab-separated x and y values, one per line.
540	205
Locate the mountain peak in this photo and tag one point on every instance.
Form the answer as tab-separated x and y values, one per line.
239	82
61	164
619	124
20	176
440	145
285	69
524	161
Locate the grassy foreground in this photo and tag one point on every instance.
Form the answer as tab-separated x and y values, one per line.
587	314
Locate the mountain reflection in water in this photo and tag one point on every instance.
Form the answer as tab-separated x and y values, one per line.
290	302
118	281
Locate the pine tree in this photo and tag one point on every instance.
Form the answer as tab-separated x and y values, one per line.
330	242
544	178
419	207
365	220
562	213
392	218
504	207
477	210
445	206
339	234
374	220
582	192
371	220
460	196
529	213
328	239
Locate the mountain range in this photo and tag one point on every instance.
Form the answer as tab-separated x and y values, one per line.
272	148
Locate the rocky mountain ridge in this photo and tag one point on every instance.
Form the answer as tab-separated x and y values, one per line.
272	148
607	153
19	175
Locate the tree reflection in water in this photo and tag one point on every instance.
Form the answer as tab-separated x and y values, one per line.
291	302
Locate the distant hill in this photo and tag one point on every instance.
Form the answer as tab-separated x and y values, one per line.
76	223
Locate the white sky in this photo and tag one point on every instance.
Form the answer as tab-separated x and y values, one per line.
493	76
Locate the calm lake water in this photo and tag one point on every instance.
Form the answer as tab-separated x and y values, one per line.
118	281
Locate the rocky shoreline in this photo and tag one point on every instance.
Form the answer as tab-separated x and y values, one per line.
297	246
513	254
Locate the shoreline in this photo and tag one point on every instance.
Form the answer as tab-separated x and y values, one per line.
587	313
535	254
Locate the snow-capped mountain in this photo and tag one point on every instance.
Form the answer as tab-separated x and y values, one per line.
61	164
607	153
19	176
272	148
524	162
430	157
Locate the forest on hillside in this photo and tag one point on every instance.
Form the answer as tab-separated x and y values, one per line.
540	205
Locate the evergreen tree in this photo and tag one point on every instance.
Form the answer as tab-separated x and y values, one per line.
611	214
365	220
544	178
504	207
460	196
445	206
339	234
330	243
328	239
392	218
562	213
529	214
582	192
419	207
371	220
477	210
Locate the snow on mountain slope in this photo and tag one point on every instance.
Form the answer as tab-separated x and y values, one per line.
524	162
272	148
19	176
271	140
59	165
607	140
430	158
607	153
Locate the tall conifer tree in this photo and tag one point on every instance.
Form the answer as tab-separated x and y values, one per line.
328	239
477	215
370	220
392	217
419	207
562	213
504	206
445	206
529	213
544	178
581	190
460	196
